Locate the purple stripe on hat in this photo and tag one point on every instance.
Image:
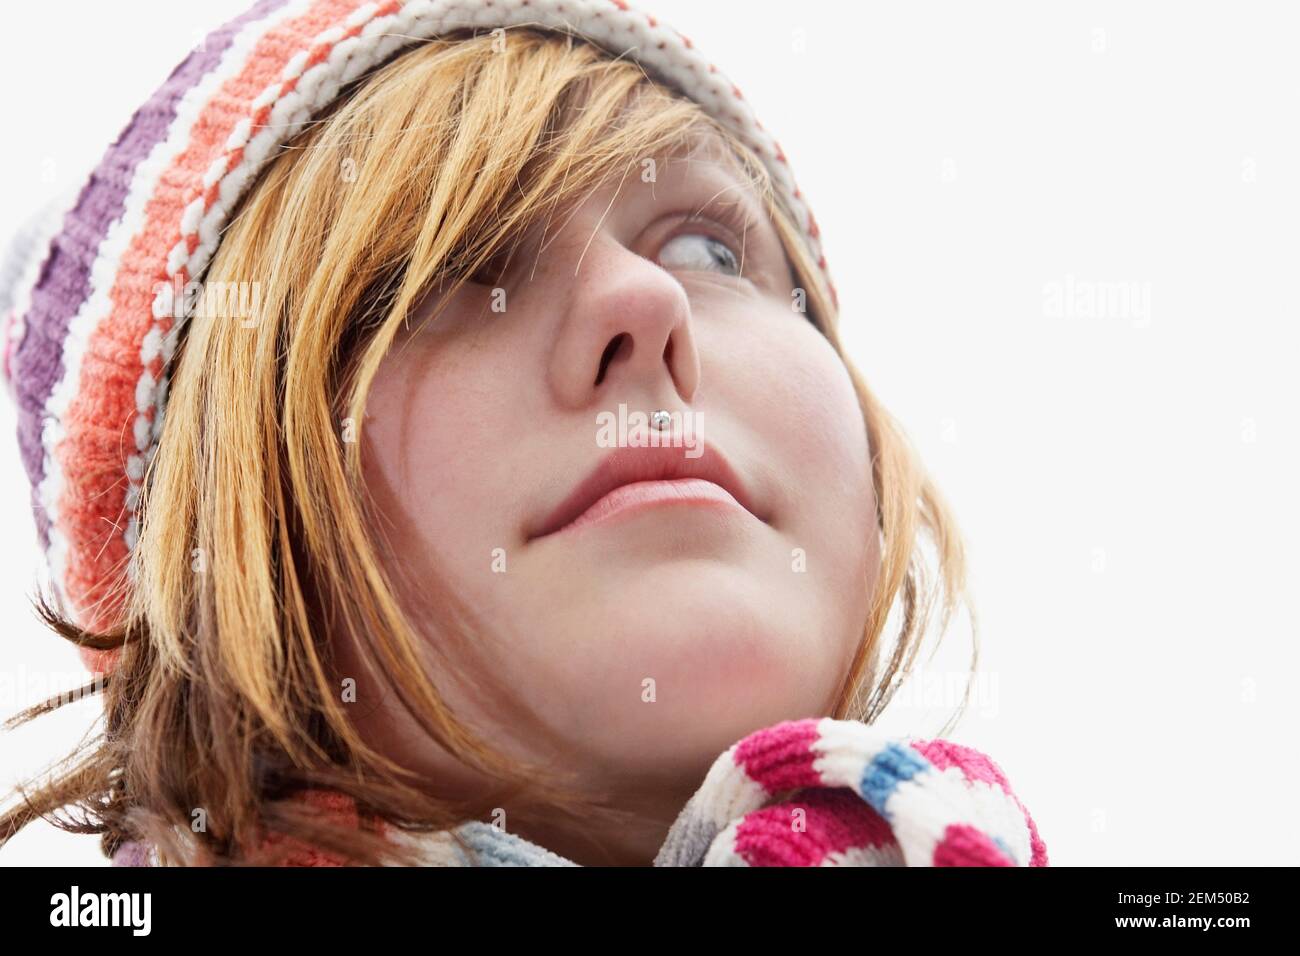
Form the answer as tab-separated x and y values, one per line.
131	853
64	281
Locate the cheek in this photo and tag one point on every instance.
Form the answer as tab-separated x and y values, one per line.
826	427
798	394
433	426
832	451
797	391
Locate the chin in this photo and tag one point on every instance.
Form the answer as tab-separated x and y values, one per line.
728	651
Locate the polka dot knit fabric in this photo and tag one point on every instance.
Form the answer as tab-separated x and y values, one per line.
88	342
814	792
860	798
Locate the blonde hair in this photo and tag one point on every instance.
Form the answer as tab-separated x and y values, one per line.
223	697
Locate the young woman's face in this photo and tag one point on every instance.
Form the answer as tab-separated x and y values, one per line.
650	624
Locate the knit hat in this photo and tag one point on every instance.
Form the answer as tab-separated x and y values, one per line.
89	334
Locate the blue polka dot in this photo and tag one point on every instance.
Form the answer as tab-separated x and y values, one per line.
896	764
1005	849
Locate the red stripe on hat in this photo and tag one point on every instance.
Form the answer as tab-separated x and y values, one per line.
100	421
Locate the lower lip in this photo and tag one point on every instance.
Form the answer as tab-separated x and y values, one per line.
641	495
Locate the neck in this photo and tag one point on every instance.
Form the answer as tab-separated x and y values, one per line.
633	838
634	844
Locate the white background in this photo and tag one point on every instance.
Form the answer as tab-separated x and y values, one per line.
1127	482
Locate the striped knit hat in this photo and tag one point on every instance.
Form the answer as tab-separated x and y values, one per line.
90	318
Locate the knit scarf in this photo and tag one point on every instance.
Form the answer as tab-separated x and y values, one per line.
814	792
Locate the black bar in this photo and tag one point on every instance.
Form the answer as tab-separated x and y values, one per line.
333	905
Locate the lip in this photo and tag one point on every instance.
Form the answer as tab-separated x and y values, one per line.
640	477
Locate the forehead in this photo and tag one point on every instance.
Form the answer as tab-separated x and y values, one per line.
704	164
706	145
708	155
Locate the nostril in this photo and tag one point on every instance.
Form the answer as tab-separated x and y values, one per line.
612	349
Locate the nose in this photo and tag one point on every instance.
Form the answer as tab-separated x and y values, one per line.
627	332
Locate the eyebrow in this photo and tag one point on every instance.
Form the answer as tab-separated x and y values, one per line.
738	192
723	168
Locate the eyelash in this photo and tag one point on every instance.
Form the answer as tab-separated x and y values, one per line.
729	222
725	222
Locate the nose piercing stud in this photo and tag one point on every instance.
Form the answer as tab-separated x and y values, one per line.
661	419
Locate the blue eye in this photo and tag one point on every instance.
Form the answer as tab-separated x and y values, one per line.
696	252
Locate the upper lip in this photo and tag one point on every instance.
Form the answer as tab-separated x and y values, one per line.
624	466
